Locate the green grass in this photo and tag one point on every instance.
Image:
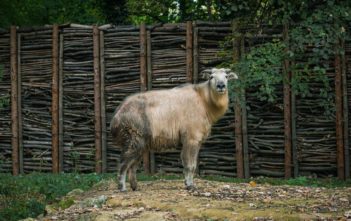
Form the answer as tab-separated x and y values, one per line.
27	195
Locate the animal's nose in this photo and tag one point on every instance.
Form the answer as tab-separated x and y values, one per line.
220	85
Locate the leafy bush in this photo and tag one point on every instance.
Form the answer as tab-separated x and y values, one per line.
26	196
314	40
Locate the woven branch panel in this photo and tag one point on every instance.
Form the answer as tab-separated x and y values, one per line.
5	111
78	100
35	71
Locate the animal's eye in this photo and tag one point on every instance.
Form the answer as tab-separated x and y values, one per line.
211	77
226	76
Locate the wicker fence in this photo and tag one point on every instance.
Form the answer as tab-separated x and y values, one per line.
63	84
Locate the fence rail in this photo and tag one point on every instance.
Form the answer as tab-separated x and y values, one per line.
64	83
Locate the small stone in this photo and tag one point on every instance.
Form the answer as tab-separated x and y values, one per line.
207	194
226	187
75	192
347	214
344	200
252	205
50	209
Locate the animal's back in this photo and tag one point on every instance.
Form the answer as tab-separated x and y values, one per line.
164	117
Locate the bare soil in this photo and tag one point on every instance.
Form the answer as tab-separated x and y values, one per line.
168	200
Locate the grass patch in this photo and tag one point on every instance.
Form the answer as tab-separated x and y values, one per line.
26	195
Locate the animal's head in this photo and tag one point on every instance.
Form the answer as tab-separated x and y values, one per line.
219	77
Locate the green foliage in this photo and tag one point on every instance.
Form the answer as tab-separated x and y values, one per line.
26	196
170	11
261	68
313	44
41	12
66	202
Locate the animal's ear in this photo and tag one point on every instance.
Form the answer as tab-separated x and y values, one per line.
206	74
231	75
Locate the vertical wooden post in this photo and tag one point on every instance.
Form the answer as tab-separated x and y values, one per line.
244	120
55	100
293	134
103	107
97	99
195	54
189	51
143	84
287	111
339	118
149	87
143	74
60	106
237	110
14	101
19	105
345	112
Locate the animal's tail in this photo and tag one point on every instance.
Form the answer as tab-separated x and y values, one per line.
114	123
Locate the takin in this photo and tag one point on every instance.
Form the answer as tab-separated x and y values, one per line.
160	120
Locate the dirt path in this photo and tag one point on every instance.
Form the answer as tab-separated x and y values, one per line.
168	200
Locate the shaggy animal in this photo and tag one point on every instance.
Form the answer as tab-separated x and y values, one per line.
164	119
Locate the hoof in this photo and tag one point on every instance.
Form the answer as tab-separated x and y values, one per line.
121	188
134	188
190	188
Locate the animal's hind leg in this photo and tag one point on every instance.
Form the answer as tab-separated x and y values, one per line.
124	165
132	174
129	161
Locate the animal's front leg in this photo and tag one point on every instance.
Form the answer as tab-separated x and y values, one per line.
189	158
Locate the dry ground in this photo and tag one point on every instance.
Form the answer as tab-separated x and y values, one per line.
168	200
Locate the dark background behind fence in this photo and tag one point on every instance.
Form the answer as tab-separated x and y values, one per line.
64	83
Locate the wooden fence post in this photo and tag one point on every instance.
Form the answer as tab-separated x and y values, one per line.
97	99
103	105
195	54
19	105
149	87
189	51
340	160
287	111
245	142
345	112
293	134
143	83
237	110
14	101
55	100
60	98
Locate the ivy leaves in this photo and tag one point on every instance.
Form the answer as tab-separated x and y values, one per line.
310	50
262	68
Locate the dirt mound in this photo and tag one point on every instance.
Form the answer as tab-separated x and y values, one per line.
168	200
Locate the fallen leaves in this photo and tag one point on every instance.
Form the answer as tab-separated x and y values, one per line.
168	200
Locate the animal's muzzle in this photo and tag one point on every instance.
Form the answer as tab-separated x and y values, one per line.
221	87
